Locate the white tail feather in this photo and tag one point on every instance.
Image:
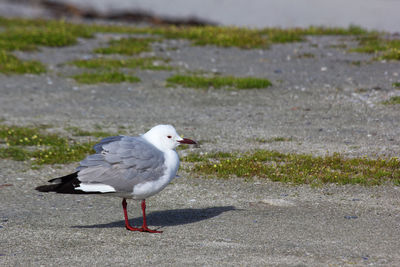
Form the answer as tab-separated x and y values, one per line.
102	188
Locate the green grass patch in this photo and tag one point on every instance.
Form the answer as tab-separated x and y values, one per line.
29	136
352	30
105	77
278	35
104	63
218	82
392	53
396	85
40	147
375	44
28	34
61	155
11	64
29	38
249	38
15	153
394	100
297	168
370	44
218	36
127	46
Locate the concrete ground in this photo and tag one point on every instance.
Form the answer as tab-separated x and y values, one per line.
327	103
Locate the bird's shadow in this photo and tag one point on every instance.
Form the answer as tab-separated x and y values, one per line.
168	217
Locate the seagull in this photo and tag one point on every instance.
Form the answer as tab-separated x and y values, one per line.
127	167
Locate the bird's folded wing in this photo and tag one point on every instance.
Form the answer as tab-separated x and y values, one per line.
122	162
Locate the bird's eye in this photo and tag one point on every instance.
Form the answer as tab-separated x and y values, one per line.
169	136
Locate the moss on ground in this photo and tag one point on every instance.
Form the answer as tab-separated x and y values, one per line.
218	36
383	48
133	63
394	100
127	46
105	77
28	35
39	147
11	64
194	81
297	168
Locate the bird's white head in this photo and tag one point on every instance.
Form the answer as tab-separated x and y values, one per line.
165	137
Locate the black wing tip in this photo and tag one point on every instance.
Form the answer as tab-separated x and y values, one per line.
65	184
46	188
64	179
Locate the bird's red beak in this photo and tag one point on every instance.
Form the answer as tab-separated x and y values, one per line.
187	141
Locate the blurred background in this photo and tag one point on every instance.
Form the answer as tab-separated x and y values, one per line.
371	14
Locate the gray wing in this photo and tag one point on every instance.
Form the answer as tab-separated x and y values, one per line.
99	146
122	162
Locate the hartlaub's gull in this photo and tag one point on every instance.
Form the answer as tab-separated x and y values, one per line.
127	167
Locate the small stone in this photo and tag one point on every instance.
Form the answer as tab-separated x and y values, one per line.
349	217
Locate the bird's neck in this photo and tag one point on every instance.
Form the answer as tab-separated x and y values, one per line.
171	162
149	138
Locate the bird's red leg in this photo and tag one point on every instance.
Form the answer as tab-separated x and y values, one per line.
127	225
144	227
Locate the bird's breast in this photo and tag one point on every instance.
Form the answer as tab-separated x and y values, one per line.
150	188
